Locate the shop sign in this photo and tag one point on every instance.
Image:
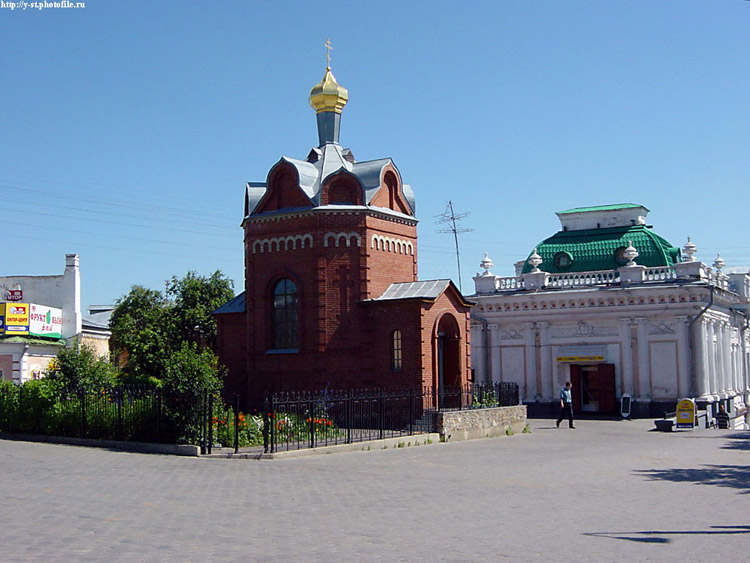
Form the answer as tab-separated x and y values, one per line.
45	321
13	295
581	353
17	318
686	414
580	358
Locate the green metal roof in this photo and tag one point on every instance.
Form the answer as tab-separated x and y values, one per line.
32	340
597	249
610	207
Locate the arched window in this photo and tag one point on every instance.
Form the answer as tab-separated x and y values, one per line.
396	351
342	193
285	315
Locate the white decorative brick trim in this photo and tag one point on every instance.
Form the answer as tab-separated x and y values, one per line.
342	239
390	244
282	243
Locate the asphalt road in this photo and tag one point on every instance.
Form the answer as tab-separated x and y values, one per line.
607	491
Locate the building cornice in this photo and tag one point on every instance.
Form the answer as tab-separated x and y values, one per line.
358	210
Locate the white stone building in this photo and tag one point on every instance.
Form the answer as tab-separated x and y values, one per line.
26	353
611	306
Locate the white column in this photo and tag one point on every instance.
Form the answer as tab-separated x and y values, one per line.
713	367
626	346
530	353
683	358
700	361
546	361
479	350
728	364
493	341
644	379
721	353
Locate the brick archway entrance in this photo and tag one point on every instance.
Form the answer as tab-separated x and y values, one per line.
447	341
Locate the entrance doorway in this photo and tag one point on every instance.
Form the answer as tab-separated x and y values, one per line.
447	344
594	389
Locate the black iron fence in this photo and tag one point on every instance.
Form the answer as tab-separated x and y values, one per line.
290	420
131	413
299	420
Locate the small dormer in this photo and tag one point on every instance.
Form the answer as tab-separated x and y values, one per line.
341	189
603	217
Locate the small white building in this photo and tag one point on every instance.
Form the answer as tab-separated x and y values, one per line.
38	315
611	306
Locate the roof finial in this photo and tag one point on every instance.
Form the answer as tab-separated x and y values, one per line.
329	48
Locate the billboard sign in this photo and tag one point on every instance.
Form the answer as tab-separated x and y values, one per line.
45	321
686	414
16	318
12	295
2	318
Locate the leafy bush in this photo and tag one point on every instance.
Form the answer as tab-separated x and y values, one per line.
79	366
8	406
190	374
250	427
484	399
36	406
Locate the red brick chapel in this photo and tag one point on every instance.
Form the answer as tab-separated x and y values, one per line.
331	292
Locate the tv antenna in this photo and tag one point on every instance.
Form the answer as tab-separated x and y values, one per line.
451	219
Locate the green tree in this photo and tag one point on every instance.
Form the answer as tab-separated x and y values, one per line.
191	372
79	366
142	332
149	327
193	299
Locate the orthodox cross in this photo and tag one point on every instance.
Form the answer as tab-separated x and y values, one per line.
328	53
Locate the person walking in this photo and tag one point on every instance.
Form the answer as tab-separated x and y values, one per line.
566	405
722	418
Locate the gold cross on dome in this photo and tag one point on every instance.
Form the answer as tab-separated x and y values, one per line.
328	53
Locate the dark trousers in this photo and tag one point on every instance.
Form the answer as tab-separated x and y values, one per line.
566	411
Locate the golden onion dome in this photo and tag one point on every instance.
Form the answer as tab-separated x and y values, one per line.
328	95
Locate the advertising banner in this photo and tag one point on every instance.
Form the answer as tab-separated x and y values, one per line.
13	295
16	318
2	319
45	321
686	414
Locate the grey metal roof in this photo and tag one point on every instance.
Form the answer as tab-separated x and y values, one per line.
323	162
99	317
235	305
428	289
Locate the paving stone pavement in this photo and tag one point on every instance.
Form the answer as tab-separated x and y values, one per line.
607	491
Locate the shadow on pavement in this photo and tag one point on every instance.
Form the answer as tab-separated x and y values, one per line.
739	441
655	536
734	476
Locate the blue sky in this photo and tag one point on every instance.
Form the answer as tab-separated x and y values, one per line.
128	129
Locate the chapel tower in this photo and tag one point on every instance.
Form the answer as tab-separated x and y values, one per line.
325	239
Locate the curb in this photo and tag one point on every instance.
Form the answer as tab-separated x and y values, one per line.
401	442
135	447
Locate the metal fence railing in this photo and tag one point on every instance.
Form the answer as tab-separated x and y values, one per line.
299	420
130	413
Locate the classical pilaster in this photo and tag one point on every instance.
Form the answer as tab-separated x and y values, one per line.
544	383
721	360
530	354
683	358
729	387
701	371
644	384
713	363
626	347
492	373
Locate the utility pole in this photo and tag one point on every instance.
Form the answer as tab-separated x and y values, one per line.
451	219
